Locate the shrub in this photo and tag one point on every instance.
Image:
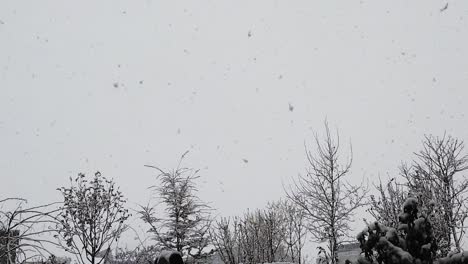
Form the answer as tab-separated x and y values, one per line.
413	242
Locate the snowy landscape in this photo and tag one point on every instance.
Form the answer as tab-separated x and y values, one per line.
233	132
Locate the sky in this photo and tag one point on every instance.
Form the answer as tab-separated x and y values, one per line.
113	85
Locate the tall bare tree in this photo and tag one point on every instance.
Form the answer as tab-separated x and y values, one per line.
92	217
25	231
436	175
326	198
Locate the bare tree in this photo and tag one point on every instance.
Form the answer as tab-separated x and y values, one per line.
186	220
295	231
272	234
327	199
260	236
274	231
436	176
25	230
249	237
92	217
386	207
225	240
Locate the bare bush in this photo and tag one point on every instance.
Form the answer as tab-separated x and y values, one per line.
25	231
92	217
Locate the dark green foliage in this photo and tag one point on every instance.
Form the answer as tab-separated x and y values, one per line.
413	242
436	174
169	257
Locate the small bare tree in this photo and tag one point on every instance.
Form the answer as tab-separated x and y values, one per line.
92	217
326	198
25	230
436	176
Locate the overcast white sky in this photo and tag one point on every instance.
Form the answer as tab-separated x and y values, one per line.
113	85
